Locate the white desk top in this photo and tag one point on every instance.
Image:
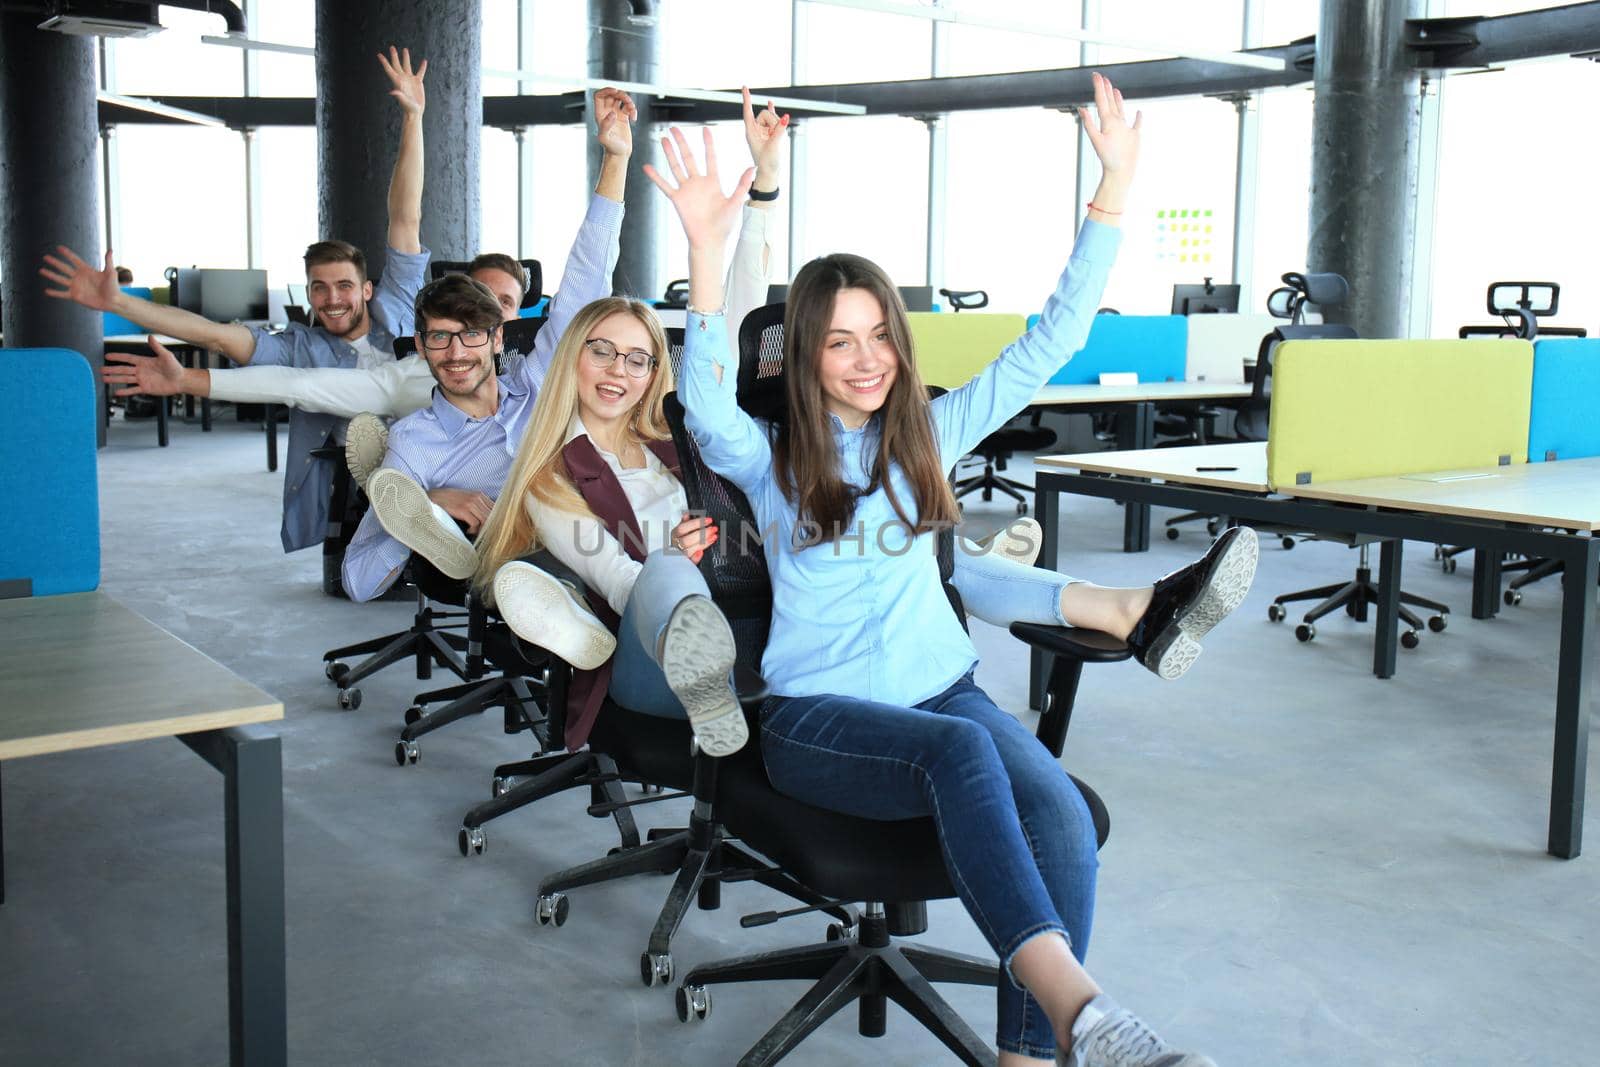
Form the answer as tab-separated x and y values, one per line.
1069	395
81	670
141	339
1246	464
1564	494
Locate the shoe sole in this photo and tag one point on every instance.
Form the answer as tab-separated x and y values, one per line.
540	610
406	513
1019	549
1178	646
365	446
697	653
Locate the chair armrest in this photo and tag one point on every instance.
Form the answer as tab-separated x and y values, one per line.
750	687
1088	646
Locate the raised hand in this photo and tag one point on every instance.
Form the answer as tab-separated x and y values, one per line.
614	114
76	280
764	134
707	215
408	89
158	375
1114	140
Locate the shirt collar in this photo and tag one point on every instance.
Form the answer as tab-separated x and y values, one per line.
452	419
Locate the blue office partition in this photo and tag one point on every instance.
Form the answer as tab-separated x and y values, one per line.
50	524
1566	380
113	325
1153	346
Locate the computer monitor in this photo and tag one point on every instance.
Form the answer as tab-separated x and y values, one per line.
233	295
916	297
1204	299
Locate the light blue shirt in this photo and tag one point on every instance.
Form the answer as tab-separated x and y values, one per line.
439	447
307	481
867	615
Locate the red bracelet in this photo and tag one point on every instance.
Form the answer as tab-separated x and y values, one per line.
1092	207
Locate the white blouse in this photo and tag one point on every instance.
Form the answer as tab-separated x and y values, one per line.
584	544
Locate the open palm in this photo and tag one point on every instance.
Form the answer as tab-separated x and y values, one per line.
408	88
707	215
74	279
1115	141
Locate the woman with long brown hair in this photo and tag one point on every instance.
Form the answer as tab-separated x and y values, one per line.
875	711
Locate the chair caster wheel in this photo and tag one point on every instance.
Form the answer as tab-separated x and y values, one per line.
841	932
1288	543
655	968
413	713
649	789
1172	533
1409	639
1022	509
1304	632
1438	552
471	841
1438	622
349	699
1211	527
551	908
1448	565
335	670
694	1003
499	787
1513	597
1275	613
406	752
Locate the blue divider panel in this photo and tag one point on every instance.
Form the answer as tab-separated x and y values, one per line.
1154	346
1566	381
112	325
537	311
50	524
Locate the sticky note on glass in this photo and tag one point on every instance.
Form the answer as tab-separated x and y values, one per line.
1119	377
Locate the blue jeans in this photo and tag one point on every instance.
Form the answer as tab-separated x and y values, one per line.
636	679
1002	591
1017	836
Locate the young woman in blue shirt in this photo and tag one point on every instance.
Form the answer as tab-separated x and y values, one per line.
852	485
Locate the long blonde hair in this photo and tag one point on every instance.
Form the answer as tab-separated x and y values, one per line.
539	473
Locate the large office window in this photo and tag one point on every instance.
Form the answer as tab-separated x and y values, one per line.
557	194
1516	190
867	192
1216	24
1009	187
1283	191
176	62
288	201
724	43
983	50
847	45
168	216
284	22
1178	226
497	181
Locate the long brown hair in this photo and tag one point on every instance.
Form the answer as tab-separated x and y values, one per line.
805	455
539	473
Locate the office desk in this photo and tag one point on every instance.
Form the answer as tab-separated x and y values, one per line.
1135	408
188	354
80	671
1497	509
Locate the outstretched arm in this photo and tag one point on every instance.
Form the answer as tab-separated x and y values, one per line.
75	279
405	185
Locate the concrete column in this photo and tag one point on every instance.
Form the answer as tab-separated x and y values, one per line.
49	182
1364	161
624	47
358	123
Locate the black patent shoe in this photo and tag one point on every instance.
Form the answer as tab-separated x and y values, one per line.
1191	600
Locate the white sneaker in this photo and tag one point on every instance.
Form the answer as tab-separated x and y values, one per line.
366	440
404	510
543	611
1105	1035
696	654
1018	540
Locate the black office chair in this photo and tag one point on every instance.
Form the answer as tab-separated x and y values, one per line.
438	268
676	295
1521	307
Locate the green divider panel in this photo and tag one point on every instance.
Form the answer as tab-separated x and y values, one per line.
952	348
1370	409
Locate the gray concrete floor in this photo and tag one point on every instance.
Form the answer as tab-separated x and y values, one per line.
1307	865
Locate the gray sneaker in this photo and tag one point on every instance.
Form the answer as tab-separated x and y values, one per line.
696	653
1018	540
1105	1035
542	610
406	513
366	440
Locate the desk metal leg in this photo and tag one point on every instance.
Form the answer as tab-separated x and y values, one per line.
1046	509
270	417
1136	428
1485	583
2	850
251	762
1386	628
161	420
1571	760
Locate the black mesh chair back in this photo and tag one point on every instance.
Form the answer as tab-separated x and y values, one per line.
1324	290
675	350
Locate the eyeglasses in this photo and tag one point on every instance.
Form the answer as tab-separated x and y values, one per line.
439	340
603	353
